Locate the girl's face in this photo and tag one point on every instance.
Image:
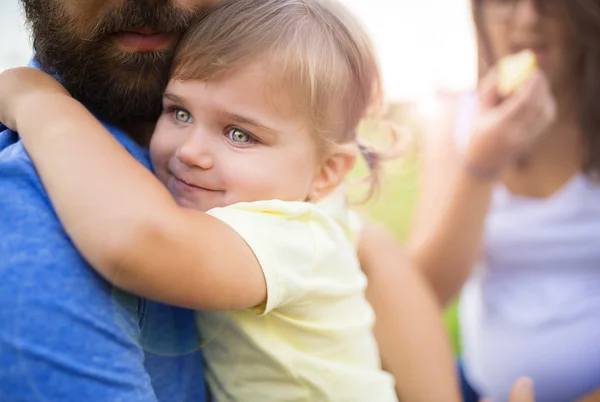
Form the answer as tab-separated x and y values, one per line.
539	25
230	140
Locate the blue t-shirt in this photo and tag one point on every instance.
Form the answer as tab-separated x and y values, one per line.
65	333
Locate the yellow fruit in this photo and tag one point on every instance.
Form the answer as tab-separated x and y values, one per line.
514	70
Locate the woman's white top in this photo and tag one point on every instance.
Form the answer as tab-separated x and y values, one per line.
532	305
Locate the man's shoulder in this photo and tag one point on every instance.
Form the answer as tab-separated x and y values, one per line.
11	148
32	239
43	279
30	230
18	181
29	226
20	186
14	156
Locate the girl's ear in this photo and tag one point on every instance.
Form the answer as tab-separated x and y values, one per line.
333	171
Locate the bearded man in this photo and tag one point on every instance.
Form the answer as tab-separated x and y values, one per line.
66	334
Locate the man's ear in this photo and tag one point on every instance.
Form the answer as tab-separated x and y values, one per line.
340	160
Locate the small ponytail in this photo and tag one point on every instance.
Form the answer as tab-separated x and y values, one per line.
374	158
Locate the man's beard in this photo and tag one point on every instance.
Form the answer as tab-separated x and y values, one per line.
117	86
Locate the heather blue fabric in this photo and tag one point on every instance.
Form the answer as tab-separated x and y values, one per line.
65	333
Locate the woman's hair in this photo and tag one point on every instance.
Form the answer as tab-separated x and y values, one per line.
318	55
584	19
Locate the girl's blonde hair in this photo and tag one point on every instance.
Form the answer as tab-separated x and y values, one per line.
318	55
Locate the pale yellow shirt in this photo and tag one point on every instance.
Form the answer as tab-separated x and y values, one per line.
313	338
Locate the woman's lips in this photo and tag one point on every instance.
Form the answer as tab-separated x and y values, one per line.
144	40
541	54
540	51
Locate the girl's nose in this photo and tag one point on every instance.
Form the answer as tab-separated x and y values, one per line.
196	152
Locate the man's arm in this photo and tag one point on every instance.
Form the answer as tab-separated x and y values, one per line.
408	328
593	396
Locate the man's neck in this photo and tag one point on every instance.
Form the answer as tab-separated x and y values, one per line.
140	132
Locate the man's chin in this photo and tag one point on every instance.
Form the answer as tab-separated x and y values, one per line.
121	86
122	96
120	77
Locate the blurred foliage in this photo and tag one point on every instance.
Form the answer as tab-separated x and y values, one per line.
394	203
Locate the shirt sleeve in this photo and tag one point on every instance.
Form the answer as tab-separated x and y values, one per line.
336	206
287	238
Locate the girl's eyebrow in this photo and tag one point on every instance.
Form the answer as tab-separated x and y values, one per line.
174	98
248	121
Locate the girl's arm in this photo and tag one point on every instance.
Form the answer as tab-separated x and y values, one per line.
120	217
412	340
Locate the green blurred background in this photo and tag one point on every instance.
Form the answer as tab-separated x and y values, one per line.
395	202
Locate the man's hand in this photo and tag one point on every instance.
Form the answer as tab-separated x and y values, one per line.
18	87
409	330
594	396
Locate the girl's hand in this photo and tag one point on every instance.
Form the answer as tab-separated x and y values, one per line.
21	86
504	130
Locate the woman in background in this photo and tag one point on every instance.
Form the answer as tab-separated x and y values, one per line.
510	204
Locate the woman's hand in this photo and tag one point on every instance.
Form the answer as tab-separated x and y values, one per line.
19	87
504	129
522	391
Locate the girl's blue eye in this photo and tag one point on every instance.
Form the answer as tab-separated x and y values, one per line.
182	116
238	136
